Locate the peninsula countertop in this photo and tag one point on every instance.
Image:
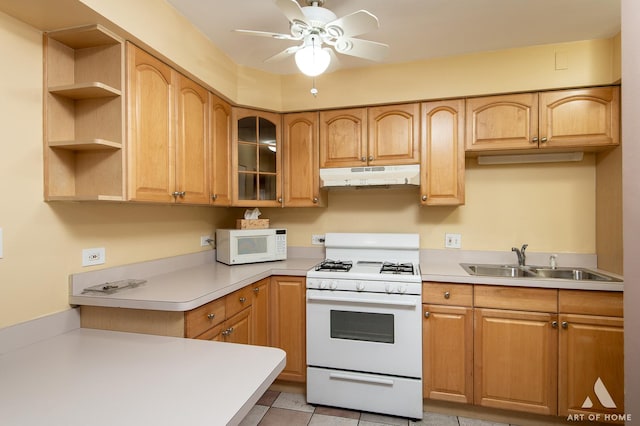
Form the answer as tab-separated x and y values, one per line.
97	377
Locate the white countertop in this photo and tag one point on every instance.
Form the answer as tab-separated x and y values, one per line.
186	282
95	377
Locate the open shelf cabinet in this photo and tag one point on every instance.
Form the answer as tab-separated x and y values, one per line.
84	133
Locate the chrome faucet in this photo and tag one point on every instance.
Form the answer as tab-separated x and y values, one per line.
522	258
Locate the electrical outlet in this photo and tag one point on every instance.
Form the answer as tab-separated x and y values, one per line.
317	240
204	240
452	240
93	256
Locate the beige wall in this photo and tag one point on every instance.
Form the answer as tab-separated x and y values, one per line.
43	242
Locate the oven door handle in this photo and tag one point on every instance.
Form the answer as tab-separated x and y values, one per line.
353	378
362	301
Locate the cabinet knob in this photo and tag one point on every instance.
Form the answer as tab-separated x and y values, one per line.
371	158
175	193
554	324
280	200
211	316
227	332
214	197
543	140
447	295
230	330
315	200
565	325
179	193
427	314
363	159
534	140
256	290
243	299
424	198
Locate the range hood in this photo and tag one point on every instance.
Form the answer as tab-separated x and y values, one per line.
370	176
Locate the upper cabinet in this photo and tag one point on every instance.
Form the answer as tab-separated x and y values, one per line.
565	119
84	130
442	163
301	175
219	151
168	133
256	159
384	135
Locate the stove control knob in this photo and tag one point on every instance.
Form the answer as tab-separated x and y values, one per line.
323	284
402	289
359	286
333	285
388	288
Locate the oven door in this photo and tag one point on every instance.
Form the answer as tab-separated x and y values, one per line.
369	332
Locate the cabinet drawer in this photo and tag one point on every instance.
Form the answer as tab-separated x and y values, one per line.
199	320
238	300
516	298
447	294
605	303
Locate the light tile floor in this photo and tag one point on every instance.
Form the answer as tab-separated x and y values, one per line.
282	408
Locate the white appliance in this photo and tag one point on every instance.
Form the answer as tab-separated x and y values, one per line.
364	324
238	246
370	176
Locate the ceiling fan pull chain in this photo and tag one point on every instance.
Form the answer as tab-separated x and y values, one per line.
314	91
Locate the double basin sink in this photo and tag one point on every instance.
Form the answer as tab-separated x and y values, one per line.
516	271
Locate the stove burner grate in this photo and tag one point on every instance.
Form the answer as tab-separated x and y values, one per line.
397	268
334	265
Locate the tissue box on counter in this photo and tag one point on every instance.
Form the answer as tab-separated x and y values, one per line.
252	223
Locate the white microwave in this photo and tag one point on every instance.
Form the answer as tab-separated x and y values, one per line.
238	246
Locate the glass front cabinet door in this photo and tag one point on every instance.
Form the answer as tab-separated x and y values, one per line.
256	158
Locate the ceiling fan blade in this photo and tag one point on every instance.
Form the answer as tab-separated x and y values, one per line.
362	48
284	54
278	36
292	10
354	24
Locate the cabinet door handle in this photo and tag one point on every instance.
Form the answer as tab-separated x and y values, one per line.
363	159
427	314
230	330
243	299
543	140
175	194
554	324
280	200
179	193
256	290
424	198
211	316
214	197
371	158
534	140
225	332
315	200
447	295
565	325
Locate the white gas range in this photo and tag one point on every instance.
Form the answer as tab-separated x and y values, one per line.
364	324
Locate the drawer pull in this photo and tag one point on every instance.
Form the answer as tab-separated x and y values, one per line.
243	299
211	316
447	295
256	290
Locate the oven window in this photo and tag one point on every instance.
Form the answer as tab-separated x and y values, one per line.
252	245
367	326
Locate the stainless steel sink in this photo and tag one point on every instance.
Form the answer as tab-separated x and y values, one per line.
572	274
497	270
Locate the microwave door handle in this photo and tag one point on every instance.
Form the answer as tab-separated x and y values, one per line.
362	301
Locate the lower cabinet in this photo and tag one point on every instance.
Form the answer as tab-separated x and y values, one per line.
288	308
260	318
544	351
447	339
591	353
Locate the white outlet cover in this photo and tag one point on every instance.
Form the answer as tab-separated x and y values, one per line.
93	256
452	240
203	240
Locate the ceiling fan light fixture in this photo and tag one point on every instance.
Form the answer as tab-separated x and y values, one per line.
313	60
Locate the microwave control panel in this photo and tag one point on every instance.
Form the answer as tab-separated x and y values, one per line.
281	242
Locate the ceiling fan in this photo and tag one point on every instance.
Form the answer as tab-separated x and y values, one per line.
316	26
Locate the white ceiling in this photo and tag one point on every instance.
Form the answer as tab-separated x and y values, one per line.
414	29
